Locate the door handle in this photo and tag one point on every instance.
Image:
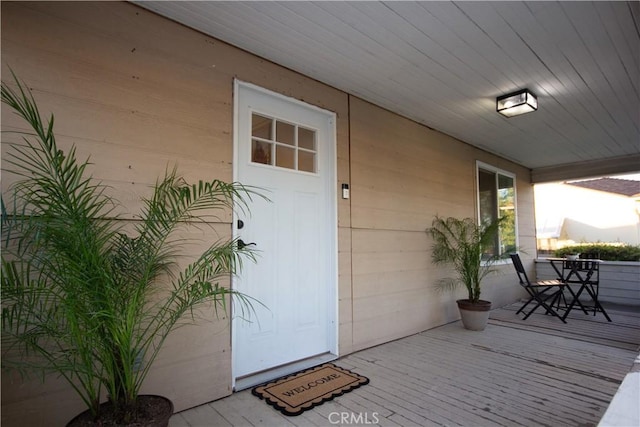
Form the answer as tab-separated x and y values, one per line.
242	244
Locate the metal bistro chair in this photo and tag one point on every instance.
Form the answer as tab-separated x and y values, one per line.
585	271
541	292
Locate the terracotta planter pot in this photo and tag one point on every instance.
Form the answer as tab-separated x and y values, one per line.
153	411
474	316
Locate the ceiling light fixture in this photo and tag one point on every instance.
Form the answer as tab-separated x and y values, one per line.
516	103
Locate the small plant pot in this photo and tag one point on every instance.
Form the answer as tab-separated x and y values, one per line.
474	316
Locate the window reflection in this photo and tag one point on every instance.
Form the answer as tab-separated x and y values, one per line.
283	144
261	152
285	157
496	198
306	139
261	126
306	161
285	133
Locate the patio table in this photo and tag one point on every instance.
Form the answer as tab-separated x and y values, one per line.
583	272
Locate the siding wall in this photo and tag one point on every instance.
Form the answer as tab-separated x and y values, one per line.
138	92
403	174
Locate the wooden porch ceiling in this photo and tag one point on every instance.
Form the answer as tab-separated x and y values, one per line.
538	372
444	63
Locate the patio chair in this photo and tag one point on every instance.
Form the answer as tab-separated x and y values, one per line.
541	292
586	272
590	272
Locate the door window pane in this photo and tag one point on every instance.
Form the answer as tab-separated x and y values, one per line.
285	157
306	161
261	126
285	133
306	139
283	144
260	152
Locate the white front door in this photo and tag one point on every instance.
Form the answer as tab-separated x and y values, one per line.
287	149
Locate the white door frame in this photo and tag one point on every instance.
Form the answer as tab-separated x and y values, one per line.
333	297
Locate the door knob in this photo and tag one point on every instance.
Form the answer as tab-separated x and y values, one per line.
242	244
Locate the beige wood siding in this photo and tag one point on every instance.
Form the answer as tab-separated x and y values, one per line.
138	93
402	175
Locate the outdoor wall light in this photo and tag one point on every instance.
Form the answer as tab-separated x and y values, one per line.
516	103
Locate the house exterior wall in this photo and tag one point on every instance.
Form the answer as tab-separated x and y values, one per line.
402	175
138	93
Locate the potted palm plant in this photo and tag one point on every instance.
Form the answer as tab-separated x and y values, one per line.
464	245
93	298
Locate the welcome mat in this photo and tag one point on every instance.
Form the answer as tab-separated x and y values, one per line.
294	394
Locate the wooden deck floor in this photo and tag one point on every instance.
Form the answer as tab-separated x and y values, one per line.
538	372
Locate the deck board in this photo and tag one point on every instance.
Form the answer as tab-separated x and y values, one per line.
538	372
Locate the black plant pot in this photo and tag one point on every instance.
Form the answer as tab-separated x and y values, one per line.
153	411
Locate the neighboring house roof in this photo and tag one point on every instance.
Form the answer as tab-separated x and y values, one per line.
625	187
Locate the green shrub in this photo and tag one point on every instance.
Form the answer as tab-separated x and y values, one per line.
603	251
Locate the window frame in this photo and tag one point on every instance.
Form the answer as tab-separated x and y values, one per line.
498	171
273	143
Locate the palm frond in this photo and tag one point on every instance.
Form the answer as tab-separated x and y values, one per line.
85	299
461	243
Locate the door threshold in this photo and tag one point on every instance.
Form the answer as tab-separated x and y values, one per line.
261	377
